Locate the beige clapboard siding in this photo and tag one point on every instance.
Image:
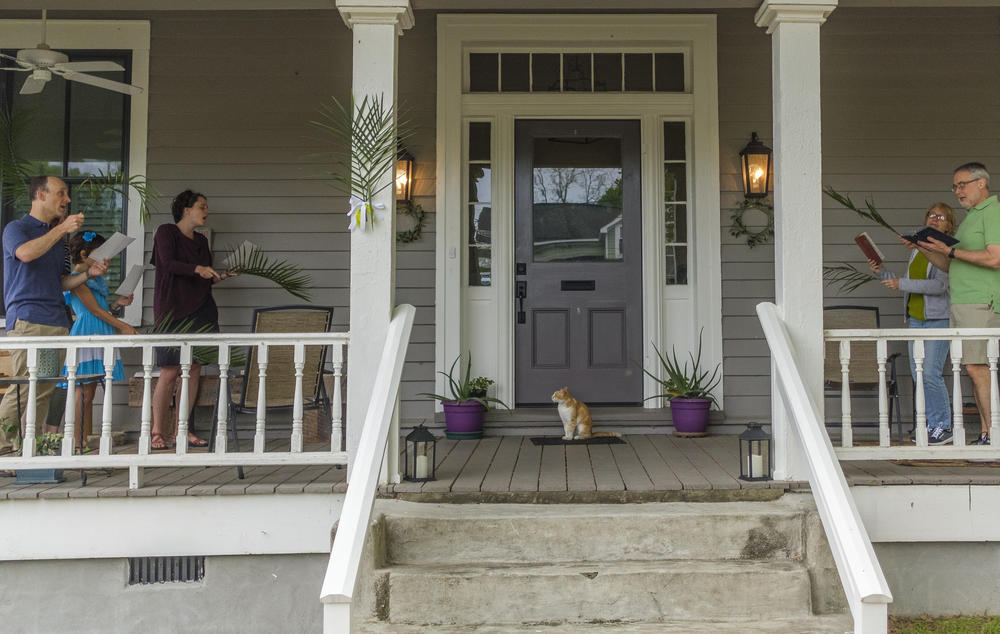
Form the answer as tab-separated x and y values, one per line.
231	97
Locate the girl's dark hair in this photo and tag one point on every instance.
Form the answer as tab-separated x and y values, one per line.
182	201
83	241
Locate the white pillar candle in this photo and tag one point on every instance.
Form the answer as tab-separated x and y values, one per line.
755	465
421	467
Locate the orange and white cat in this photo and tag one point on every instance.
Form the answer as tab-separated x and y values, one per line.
575	415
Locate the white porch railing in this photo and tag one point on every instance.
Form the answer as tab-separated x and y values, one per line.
850	450
864	584
355	518
225	343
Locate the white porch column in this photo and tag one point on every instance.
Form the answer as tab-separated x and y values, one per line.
376	26
798	201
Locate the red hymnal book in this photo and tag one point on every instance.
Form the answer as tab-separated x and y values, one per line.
869	248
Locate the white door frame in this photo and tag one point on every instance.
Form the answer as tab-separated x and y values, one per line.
464	314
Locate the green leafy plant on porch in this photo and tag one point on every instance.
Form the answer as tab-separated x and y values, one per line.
366	140
680	381
46	444
848	277
464	387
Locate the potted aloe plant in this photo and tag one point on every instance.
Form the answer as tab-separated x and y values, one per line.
465	407
689	390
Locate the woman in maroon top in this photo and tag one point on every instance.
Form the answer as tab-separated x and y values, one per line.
182	295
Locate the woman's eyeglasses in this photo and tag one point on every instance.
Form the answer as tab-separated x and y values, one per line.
936	217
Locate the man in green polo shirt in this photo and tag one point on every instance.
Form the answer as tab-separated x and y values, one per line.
974	273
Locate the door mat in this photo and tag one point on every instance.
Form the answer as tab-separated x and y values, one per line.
558	440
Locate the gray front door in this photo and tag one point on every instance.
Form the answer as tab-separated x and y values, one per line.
578	261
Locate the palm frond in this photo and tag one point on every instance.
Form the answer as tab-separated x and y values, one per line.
15	171
248	259
847	276
871	213
116	183
204	355
365	144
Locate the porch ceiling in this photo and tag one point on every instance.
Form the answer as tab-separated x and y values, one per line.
451	5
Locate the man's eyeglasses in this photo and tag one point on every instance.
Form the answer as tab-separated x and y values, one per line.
961	184
936	217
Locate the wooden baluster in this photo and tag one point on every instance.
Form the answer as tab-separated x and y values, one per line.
882	354
258	437
183	401
918	387
69	415
958	425
109	377
146	426
336	404
223	411
300	363
846	433
992	346
31	411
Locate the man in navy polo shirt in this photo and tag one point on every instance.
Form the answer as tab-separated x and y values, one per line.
35	275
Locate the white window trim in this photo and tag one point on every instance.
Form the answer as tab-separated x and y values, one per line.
457	34
131	35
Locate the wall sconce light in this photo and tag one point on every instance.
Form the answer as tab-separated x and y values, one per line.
404	176
755	161
755	453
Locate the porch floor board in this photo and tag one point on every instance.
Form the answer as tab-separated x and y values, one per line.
647	467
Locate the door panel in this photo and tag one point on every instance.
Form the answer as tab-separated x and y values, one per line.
578	261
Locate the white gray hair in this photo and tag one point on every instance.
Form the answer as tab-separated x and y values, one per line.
975	170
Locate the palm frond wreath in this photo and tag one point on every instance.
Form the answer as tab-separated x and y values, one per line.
116	183
15	171
847	277
366	140
248	259
871	213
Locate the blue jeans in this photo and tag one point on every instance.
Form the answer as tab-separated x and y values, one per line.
936	400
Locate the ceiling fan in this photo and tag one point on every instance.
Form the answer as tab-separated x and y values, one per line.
42	62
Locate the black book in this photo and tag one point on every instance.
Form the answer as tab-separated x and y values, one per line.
930	232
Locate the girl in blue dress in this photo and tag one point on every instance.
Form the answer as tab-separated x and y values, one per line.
93	317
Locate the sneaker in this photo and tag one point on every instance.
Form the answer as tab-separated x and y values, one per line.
939	436
982	440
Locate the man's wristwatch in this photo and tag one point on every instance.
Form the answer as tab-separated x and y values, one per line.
951	254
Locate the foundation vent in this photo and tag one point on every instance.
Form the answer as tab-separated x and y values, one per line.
144	570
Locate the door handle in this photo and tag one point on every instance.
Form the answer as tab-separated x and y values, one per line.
520	292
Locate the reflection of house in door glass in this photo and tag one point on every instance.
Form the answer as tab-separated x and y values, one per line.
577	200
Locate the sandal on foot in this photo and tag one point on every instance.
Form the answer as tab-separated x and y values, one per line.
194	441
158	443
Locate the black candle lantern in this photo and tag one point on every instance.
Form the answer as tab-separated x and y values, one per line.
404	176
755	163
755	453
421	455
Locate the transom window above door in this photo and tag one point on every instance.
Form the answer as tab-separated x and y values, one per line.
574	71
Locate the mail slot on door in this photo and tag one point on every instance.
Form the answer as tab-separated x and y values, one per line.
578	285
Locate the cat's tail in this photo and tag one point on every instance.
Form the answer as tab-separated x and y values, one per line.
606	434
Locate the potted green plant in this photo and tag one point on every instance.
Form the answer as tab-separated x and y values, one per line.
47	444
689	390
465	408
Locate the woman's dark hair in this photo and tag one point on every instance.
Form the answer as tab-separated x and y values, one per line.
83	241
185	199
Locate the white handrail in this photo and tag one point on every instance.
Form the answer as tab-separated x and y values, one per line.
867	591
352	529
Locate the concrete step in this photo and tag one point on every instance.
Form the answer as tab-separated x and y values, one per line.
647	592
827	624
418	533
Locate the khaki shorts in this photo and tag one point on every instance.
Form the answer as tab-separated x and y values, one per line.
974	316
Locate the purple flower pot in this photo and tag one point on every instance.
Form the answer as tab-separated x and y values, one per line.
463	420
690	415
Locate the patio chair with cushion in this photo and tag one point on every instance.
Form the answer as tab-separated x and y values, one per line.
864	363
280	379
